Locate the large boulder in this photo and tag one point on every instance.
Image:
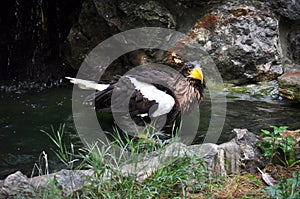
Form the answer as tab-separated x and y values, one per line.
100	19
128	14
242	38
287	8
289	85
89	30
289	32
288	12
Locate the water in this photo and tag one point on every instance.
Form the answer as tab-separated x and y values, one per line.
23	115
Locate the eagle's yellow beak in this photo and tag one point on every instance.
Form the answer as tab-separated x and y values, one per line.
196	73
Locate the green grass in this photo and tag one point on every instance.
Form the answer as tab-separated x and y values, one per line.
171	180
179	177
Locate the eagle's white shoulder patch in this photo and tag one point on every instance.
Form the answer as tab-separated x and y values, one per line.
165	101
86	84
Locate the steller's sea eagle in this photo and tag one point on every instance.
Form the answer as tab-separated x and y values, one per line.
152	93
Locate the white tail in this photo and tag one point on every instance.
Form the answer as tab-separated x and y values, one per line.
88	85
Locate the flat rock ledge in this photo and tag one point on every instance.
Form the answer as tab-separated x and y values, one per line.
289	85
240	153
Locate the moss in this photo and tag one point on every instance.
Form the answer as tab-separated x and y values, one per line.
262	89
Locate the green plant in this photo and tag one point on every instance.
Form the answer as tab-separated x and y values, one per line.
273	142
286	189
145	141
108	159
53	191
66	155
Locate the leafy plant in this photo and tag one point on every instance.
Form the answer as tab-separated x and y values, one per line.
274	142
286	189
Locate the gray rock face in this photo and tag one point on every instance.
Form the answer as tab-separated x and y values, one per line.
241	36
287	8
17	184
289	85
86	33
242	39
100	19
129	14
293	39
289	34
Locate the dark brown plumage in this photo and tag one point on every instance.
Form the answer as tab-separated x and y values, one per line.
140	90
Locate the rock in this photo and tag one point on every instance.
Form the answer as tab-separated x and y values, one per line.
251	158
241	38
85	34
293	41
17	184
290	68
240	153
128	14
261	90
289	86
71	181
150	163
287	8
206	152
100	19
289	32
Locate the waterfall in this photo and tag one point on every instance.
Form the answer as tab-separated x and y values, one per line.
31	36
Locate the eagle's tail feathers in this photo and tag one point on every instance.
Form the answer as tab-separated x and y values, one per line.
87	84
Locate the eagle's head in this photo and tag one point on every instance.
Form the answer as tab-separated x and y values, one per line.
192	71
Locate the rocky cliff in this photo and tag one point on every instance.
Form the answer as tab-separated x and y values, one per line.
250	41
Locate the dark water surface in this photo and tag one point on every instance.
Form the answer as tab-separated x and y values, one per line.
24	115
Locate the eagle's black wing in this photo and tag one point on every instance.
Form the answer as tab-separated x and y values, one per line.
127	95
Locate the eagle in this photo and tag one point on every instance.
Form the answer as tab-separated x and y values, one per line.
150	94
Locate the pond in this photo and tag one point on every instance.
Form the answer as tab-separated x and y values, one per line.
24	114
